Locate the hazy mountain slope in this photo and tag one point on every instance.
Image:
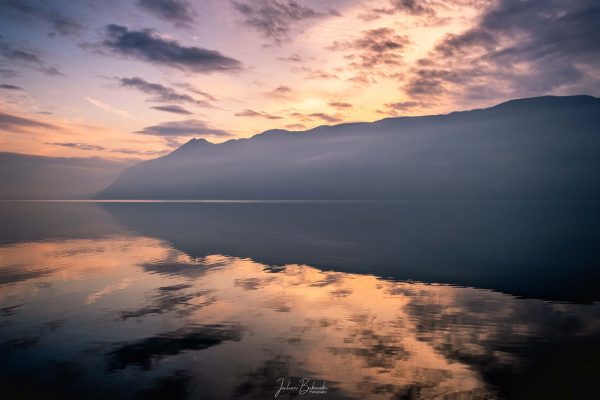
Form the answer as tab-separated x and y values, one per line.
546	147
36	177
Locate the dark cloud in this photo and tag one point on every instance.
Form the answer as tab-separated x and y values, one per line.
325	117
26	57
311	117
465	43
80	146
430	81
12	123
248	113
294	58
260	114
375	47
10	87
191	127
281	91
275	19
41	11
8	73
397	108
317	74
339	105
518	49
172	109
179	12
148	46
160	92
415	8
404	105
192	89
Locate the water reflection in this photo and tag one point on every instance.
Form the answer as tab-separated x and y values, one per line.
533	249
122	314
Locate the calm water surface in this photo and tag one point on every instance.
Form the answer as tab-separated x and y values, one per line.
430	300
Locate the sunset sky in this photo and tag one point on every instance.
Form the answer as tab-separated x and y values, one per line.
135	79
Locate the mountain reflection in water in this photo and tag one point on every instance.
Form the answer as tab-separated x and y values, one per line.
177	301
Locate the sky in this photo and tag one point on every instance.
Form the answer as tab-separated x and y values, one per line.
138	78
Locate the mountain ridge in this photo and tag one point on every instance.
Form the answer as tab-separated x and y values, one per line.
516	149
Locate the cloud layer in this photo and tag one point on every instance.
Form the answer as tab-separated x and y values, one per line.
160	93
518	48
191	127
44	12
179	12
148	46
18	55
171	108
14	123
275	19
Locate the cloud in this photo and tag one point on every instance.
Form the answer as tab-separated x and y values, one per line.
413	8
191	127
274	19
403	106
339	105
316	116
148	46
325	117
192	89
80	146
93	147
251	113
317	74
10	87
107	107
160	92
26	57
179	12
42	12
375	47
294	58
517	49
8	73
281	91
172	109
13	123
295	126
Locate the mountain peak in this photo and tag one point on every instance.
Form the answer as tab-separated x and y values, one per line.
191	145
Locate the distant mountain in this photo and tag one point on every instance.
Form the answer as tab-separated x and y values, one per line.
37	177
537	148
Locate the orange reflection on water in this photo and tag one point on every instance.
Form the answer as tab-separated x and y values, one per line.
366	337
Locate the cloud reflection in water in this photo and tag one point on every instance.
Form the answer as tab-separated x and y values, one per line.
224	327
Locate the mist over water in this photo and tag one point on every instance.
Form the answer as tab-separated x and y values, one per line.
382	300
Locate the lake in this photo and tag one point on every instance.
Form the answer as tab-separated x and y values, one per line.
322	300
